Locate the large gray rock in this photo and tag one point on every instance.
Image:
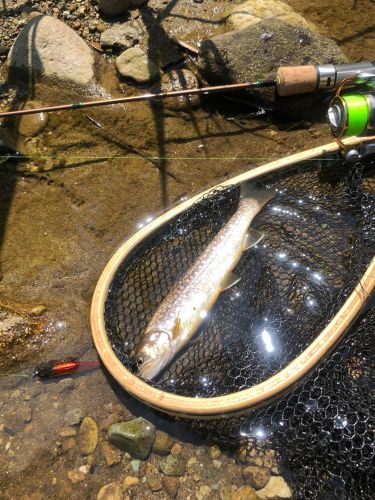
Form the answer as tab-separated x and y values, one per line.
257	51
119	36
48	48
254	11
135	65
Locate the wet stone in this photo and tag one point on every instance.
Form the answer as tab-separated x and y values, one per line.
67	432
178	79
154	483
119	36
176	449
215	452
88	436
135	465
136	437
78	475
31	125
203	493
245	493
111	454
114	418
111	491
276	488
133	64
171	485
256	477
130	482
162	443
173	465
227	492
74	416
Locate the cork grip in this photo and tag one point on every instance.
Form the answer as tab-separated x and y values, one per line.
292	80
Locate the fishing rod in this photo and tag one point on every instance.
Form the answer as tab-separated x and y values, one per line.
290	80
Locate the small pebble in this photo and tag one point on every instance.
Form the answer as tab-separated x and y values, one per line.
215	452
176	449
73	417
111	491
217	464
162	443
173	465
204	492
171	485
67	432
88	436
276	487
135	465
111	454
130	482
245	493
256	477
154	483
78	475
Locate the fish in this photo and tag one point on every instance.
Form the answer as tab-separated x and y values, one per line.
187	305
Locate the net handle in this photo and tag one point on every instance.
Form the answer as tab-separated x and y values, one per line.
278	383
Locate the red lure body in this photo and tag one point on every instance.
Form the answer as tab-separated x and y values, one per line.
60	369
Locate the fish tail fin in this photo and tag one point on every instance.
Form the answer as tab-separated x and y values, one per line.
258	194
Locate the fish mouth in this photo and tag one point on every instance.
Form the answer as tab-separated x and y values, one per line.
149	369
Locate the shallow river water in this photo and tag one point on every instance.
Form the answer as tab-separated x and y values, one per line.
67	209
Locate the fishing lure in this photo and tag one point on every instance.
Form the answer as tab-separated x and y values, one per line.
62	368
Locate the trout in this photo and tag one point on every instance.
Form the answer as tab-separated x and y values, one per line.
187	305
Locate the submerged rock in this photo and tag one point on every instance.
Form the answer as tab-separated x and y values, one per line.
113	7
88	436
257	477
136	437
74	416
111	491
178	79
245	493
111	454
276	488
31	125
171	485
134	64
130	482
48	48
254	11
256	52
119	36
162	443
173	465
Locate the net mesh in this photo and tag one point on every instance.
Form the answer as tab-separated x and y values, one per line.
319	241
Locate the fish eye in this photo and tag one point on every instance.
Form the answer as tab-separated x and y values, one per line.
139	361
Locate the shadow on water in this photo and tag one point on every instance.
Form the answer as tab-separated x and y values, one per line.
161	421
24	81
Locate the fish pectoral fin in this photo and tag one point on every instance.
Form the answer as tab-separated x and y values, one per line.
230	280
253	237
177	327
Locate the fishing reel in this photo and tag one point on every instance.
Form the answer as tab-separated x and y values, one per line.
353	114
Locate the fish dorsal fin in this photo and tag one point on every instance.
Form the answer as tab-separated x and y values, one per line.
253	237
230	280
177	326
